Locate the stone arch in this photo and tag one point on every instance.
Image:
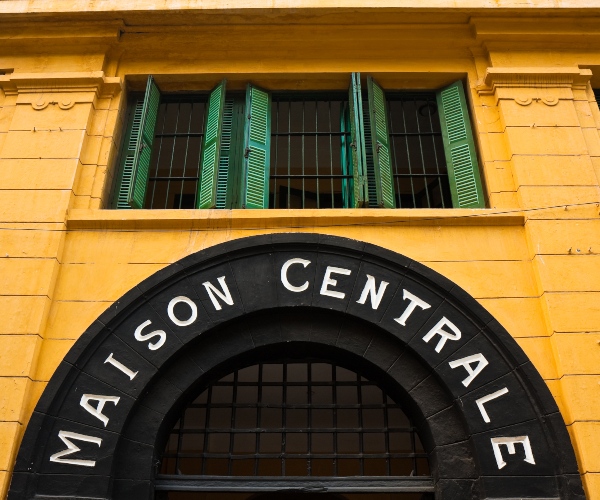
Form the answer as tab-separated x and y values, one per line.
461	372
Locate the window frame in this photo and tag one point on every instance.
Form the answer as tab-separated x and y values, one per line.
248	186
364	483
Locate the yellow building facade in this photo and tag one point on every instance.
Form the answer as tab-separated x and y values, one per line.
68	70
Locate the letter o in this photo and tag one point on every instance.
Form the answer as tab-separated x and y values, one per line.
171	313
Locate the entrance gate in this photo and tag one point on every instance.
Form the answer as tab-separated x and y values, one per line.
488	424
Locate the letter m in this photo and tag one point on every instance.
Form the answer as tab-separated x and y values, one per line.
66	437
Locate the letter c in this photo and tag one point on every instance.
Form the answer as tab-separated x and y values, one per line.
284	279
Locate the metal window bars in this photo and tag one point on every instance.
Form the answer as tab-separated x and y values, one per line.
307	169
174	168
290	418
306	143
418	159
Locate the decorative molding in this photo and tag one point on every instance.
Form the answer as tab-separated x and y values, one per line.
43	89
537	79
64	104
93	219
526	101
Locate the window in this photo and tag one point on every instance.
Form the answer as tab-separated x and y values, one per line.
256	149
275	422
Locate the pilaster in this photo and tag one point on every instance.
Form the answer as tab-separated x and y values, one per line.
548	121
54	152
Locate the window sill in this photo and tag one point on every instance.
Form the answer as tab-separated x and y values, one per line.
79	219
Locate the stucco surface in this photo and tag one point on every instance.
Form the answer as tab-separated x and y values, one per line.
530	258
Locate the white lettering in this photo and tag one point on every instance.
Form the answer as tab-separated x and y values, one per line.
225	296
120	366
171	311
444	335
466	363
486	399
156	333
65	436
327	280
414	302
97	412
284	279
370	289
510	442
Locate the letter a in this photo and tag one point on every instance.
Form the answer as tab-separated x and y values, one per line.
97	412
466	364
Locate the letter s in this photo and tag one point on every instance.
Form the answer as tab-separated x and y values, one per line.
156	333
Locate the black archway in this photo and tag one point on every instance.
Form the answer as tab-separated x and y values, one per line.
493	428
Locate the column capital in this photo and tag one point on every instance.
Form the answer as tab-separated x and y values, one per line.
515	83
41	89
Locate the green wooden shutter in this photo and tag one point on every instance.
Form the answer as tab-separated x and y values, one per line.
345	156
211	146
129	145
461	157
224	187
381	146
136	160
357	138
371	184
257	150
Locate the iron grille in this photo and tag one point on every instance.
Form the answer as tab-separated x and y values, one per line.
174	168
418	159
308	419
309	152
307	137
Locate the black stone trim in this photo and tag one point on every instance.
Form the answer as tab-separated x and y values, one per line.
295	484
266	319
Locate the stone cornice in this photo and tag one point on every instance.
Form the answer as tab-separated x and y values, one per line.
90	219
497	78
52	6
56	83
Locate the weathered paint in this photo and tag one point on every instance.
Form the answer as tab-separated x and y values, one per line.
531	258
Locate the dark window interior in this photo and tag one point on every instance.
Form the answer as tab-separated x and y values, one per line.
310	155
418	159
175	163
294	419
308	133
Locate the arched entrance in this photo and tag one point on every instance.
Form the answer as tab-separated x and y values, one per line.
102	424
295	420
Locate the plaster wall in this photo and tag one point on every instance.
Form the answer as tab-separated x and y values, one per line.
531	258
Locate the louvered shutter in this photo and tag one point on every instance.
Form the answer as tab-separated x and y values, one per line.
257	149
136	160
211	148
381	146
123	194
461	157
224	178
345	156
357	142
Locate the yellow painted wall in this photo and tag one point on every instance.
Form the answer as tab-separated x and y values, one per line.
532	258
